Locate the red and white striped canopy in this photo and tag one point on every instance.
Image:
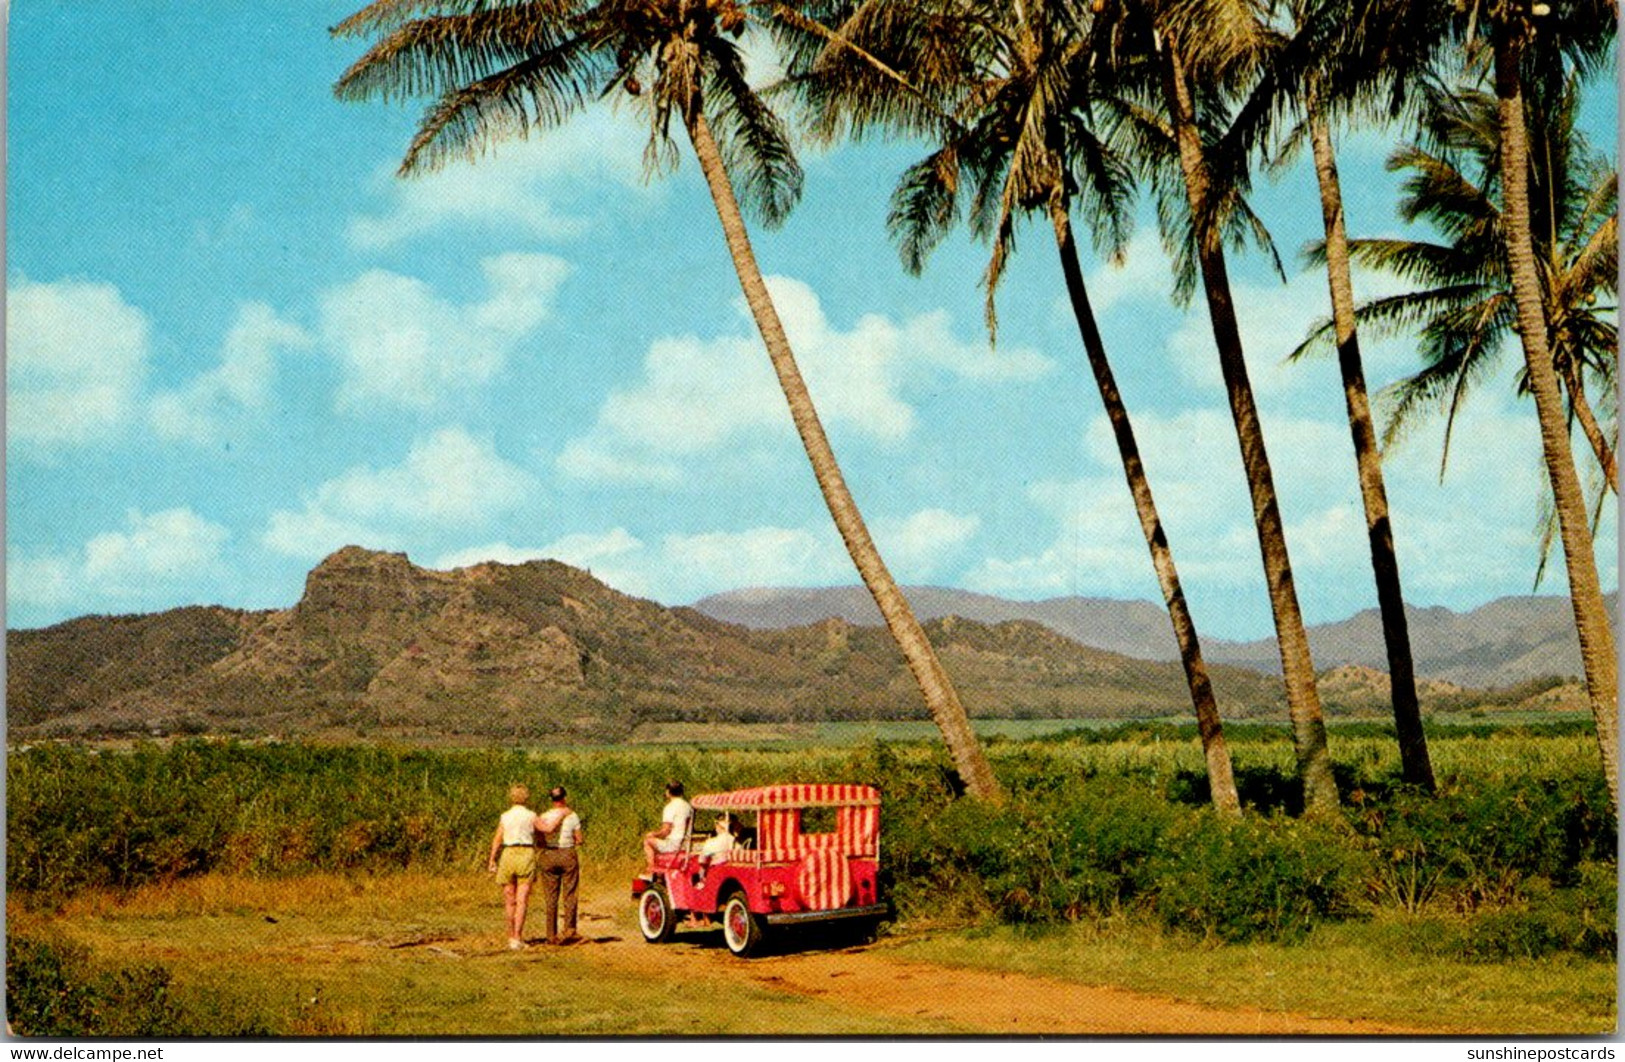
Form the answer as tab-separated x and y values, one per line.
833	795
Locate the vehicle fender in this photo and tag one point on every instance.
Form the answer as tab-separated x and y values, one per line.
727	886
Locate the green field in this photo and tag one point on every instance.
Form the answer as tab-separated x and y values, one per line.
1490	907
920	730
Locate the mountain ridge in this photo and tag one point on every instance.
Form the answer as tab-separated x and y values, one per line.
1501	643
542	651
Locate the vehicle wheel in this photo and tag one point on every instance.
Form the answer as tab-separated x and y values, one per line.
656	918
741	930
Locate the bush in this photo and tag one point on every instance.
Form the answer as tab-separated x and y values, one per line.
1092	828
1270	879
1548	920
53	989
1478	848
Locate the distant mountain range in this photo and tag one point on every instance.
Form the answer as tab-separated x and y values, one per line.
539	651
542	651
1508	641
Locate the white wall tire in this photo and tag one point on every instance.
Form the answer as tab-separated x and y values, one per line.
742	931
656	918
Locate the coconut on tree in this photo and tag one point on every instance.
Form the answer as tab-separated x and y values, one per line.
503	68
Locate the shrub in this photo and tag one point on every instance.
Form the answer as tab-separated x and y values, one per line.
1092	828
53	989
1479	847
1549	920
1255	878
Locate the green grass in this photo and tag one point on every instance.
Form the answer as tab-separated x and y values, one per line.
1349	970
851	733
846	733
418	955
180	854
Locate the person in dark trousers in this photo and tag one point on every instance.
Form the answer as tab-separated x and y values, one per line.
559	837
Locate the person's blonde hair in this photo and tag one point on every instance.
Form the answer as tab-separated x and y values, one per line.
519	794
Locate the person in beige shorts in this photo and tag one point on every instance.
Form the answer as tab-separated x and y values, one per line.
513	861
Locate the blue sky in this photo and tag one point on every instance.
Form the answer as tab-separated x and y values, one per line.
236	342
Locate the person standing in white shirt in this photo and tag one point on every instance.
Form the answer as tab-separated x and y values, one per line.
513	861
675	821
559	835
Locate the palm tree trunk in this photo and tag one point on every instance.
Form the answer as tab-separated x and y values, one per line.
1588	424
1585	592
1221	777
1415	764
937	688
1297	667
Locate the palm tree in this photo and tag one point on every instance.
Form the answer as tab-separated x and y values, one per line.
1324	68
1582	30
1168	48
1464	305
1004	89
502	67
1466	183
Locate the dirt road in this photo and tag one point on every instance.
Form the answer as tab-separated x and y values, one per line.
873	979
340	951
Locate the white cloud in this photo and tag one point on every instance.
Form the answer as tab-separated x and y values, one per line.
922	544
76	359
702	396
43	581
582	459
154	558
399	344
682	567
606	556
165	544
448	481
499	552
518	188
1145	273
1275	318
240	384
760	556
1194	466
1485	509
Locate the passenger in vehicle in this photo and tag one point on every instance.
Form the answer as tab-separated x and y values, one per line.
719	844
676	819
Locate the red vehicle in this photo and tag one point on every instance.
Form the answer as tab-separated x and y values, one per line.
801	853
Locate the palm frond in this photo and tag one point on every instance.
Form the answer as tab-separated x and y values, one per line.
755	143
383	16
1395	315
925	206
1418	261
435	55
540	92
1106	193
1437	192
1322	338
